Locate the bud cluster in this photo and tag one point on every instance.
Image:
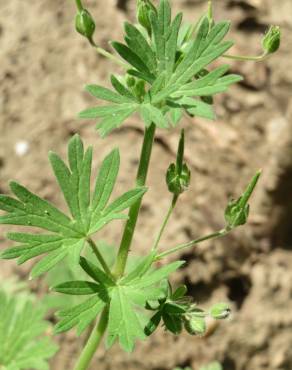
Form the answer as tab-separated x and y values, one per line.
177	311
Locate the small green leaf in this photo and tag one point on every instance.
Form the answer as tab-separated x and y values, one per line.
95	272
106	180
152	324
171	45
137	42
179	293
76	288
173	308
172	323
131	57
115	119
121	89
105	94
125	201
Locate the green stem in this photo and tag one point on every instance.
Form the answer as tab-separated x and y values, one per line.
179	247
210	11
258	58
165	222
135	208
93	342
99	256
79	5
110	56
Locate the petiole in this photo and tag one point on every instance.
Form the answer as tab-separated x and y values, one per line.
179	247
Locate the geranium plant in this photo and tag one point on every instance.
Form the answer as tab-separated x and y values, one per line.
169	72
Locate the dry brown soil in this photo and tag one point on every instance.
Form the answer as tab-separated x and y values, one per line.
44	66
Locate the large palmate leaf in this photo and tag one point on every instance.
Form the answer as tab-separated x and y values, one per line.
169	67
122	297
89	211
23	343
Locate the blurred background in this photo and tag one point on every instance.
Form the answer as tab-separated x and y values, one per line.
44	67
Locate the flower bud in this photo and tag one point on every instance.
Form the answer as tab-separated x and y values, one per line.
272	39
195	325
220	311
178	175
178	182
235	215
144	7
85	24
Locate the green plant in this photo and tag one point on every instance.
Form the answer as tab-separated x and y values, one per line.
24	343
168	74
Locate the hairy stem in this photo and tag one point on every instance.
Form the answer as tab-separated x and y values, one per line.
99	256
100	50
134	210
165	222
179	247
79	5
109	56
258	58
93	342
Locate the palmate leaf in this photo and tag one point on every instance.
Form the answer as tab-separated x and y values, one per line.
171	63
123	297
23	344
124	321
89	213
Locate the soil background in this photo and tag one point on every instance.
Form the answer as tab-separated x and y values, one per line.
44	67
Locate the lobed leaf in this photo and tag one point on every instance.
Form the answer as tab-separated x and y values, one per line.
89	214
76	316
105	94
23	343
123	323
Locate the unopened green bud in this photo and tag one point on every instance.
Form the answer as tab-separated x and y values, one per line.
178	175
195	325
237	211
272	40
144	7
235	215
178	183
85	24
220	311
